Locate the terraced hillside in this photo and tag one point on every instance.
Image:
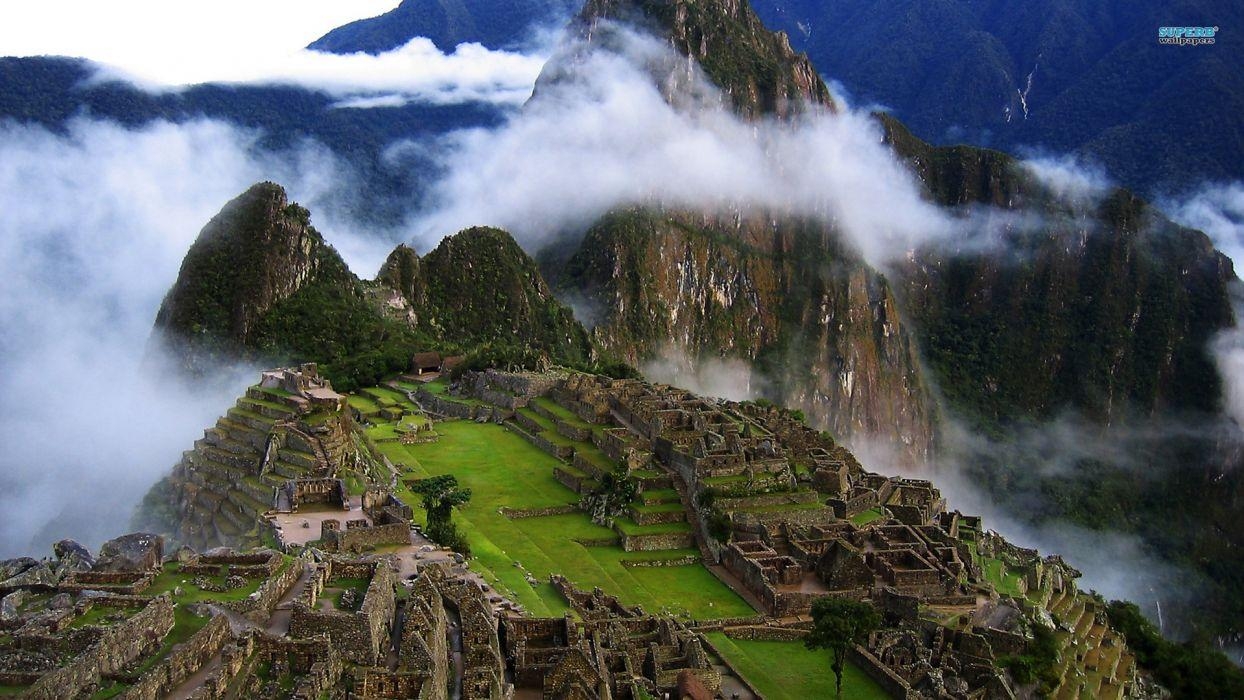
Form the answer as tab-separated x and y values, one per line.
219	491
594	496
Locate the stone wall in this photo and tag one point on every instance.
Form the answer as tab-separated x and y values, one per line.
118	645
445	407
562	452
383	684
520	513
361	635
687	560
261	603
649	543
766	633
571	481
890	682
657	517
359	539
184	661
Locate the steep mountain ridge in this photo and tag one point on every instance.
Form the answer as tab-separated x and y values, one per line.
257	252
1121	303
261	283
1091	306
448	23
774	290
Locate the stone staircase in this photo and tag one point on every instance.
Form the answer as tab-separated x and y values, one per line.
1094	662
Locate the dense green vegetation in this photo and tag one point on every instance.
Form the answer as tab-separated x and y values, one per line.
1039	662
1187	670
1094	78
440	496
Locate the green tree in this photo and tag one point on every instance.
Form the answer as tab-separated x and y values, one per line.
612	498
837	625
441	494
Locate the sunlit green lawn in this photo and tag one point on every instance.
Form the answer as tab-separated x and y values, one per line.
504	470
788	671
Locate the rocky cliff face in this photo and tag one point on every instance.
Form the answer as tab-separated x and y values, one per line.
821	329
817	323
756	69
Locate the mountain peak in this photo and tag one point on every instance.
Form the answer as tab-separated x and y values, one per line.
259	250
757	69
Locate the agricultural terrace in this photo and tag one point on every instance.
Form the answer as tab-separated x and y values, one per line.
504	471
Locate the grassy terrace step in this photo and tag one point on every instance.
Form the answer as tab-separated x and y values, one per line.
298	458
275	395
544	423
248	502
564	414
268	409
557	438
658	507
782	508
363	405
251	419
573	471
629	528
867	516
390	397
595	456
215	472
660	496
287	470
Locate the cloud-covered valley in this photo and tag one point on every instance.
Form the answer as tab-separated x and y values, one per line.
93	226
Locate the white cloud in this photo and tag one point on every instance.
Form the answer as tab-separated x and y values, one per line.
725	378
93	227
1068	178
609	137
160	46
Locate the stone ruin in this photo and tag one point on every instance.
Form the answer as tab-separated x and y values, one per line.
305	384
805	521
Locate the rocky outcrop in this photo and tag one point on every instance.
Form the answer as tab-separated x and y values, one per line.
820	327
138	551
756	69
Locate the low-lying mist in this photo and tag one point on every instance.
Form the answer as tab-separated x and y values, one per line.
93	227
